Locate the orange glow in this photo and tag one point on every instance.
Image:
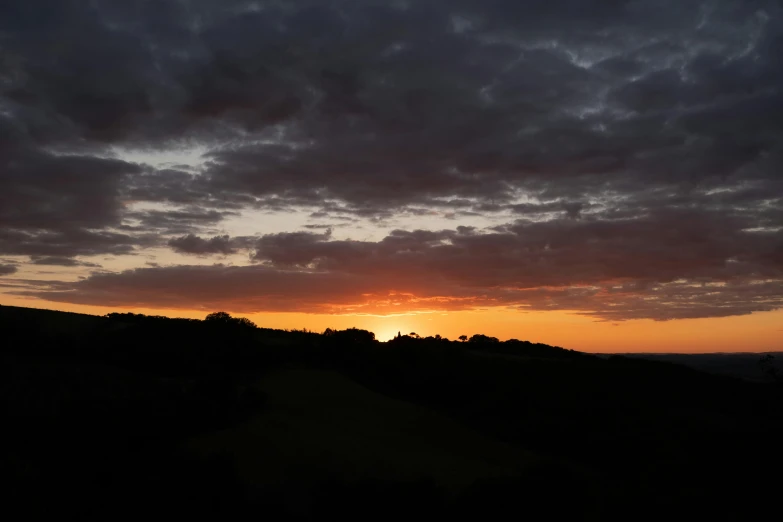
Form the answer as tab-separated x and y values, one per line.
750	333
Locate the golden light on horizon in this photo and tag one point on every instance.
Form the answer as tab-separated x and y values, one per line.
384	335
755	332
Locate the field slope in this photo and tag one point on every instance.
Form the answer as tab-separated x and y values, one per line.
319	425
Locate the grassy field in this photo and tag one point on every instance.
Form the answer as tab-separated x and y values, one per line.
318	425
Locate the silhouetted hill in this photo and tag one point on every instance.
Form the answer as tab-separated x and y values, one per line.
741	365
33	321
112	416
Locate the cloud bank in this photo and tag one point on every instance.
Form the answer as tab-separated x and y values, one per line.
628	154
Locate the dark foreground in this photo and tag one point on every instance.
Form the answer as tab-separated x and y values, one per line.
114	418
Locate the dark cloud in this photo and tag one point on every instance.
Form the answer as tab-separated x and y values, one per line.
176	221
67	243
192	244
45	191
54	204
484	114
8	269
219	287
171	186
635	141
61	261
329	226
627	269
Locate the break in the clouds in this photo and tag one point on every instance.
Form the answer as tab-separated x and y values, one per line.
621	159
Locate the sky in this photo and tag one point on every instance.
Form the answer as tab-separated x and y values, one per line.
600	175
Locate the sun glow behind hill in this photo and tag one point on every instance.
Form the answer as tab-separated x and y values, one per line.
758	332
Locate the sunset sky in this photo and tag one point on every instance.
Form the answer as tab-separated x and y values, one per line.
600	175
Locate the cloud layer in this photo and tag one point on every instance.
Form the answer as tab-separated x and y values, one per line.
626	269
627	154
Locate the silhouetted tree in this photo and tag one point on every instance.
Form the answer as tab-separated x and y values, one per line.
222	317
463	338
226	319
480	338
351	336
244	321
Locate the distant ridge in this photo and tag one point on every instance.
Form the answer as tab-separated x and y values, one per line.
744	365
